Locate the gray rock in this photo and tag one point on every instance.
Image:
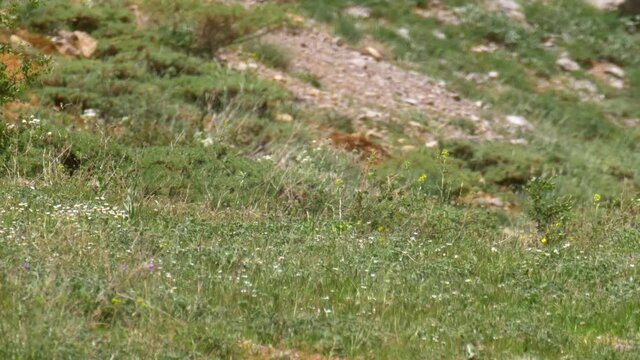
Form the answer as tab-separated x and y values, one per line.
511	8
404	33
519	122
439	34
488	201
615	71
586	86
360	12
567	64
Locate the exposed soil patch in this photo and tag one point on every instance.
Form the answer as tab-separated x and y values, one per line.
360	144
354	84
259	352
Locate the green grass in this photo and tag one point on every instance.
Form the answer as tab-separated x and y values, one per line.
182	220
270	54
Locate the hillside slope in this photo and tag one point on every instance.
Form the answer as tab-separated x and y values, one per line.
321	179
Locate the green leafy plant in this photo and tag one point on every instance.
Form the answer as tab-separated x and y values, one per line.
549	211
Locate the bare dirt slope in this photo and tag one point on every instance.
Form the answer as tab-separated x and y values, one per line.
362	85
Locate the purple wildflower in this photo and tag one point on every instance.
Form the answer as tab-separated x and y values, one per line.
151	265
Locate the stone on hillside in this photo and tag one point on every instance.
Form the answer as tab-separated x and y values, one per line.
407	148
442	15
488	201
360	12
615	71
519	142
609	73
17	41
616	83
586	86
411	101
431	143
89	114
485	48
373	52
567	64
404	33
519	122
296	19
509	7
631	123
606	4
439	34
75	43
284	117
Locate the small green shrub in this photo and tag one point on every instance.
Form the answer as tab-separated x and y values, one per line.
549	211
310	79
217	29
347	29
272	55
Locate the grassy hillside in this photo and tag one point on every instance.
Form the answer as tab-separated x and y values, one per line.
158	202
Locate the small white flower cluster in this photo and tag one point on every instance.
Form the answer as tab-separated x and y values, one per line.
88	210
89	114
32	121
10	231
205	139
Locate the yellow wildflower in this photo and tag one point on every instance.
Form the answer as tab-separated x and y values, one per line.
339	182
422	179
597	198
544	241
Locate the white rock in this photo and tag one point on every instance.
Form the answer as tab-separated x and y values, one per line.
488	201
519	142
586	86
567	64
373	52
510	7
372	114
17	41
519	121
89	113
631	122
76	43
488	48
615	71
242	66
404	33
410	101
439	34
616	83
284	117
606	4
360	12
